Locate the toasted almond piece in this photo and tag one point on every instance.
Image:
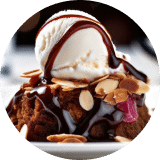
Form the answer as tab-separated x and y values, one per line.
64	88
28	88
99	80
99	96
110	98
130	84
122	139
71	140
69	83
24	131
61	137
86	100
53	87
143	87
84	80
134	86
117	76
106	86
120	75
120	95
31	74
114	77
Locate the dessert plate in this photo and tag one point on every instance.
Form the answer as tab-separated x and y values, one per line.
139	58
80	151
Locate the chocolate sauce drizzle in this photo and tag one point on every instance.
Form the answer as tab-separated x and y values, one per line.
113	61
101	111
14	101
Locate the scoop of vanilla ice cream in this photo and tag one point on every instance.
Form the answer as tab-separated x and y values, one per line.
83	55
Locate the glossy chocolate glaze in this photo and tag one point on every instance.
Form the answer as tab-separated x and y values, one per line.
14	101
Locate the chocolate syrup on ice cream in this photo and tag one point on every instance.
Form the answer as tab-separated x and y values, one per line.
113	61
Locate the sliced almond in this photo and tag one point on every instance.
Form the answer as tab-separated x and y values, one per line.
99	96
134	86
84	80
64	88
120	95
120	75
110	98
106	86
69	83
53	87
114	77
24	131
99	80
71	140
122	139
86	100
130	84
62	137
117	76
143	87
31	74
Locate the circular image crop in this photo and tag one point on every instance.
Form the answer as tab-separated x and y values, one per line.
77	75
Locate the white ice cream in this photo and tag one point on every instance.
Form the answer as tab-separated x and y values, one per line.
83	55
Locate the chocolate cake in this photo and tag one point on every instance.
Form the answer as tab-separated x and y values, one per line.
48	109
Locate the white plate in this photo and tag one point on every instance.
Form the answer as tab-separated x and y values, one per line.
80	151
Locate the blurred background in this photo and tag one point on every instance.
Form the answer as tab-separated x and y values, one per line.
127	36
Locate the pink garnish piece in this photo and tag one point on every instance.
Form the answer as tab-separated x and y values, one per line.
129	107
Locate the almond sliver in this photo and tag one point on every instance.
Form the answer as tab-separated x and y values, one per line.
71	140
143	87
99	96
120	75
69	84
106	86
64	88
122	139
110	98
86	100
62	137
99	80
134	86
31	74
120	95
